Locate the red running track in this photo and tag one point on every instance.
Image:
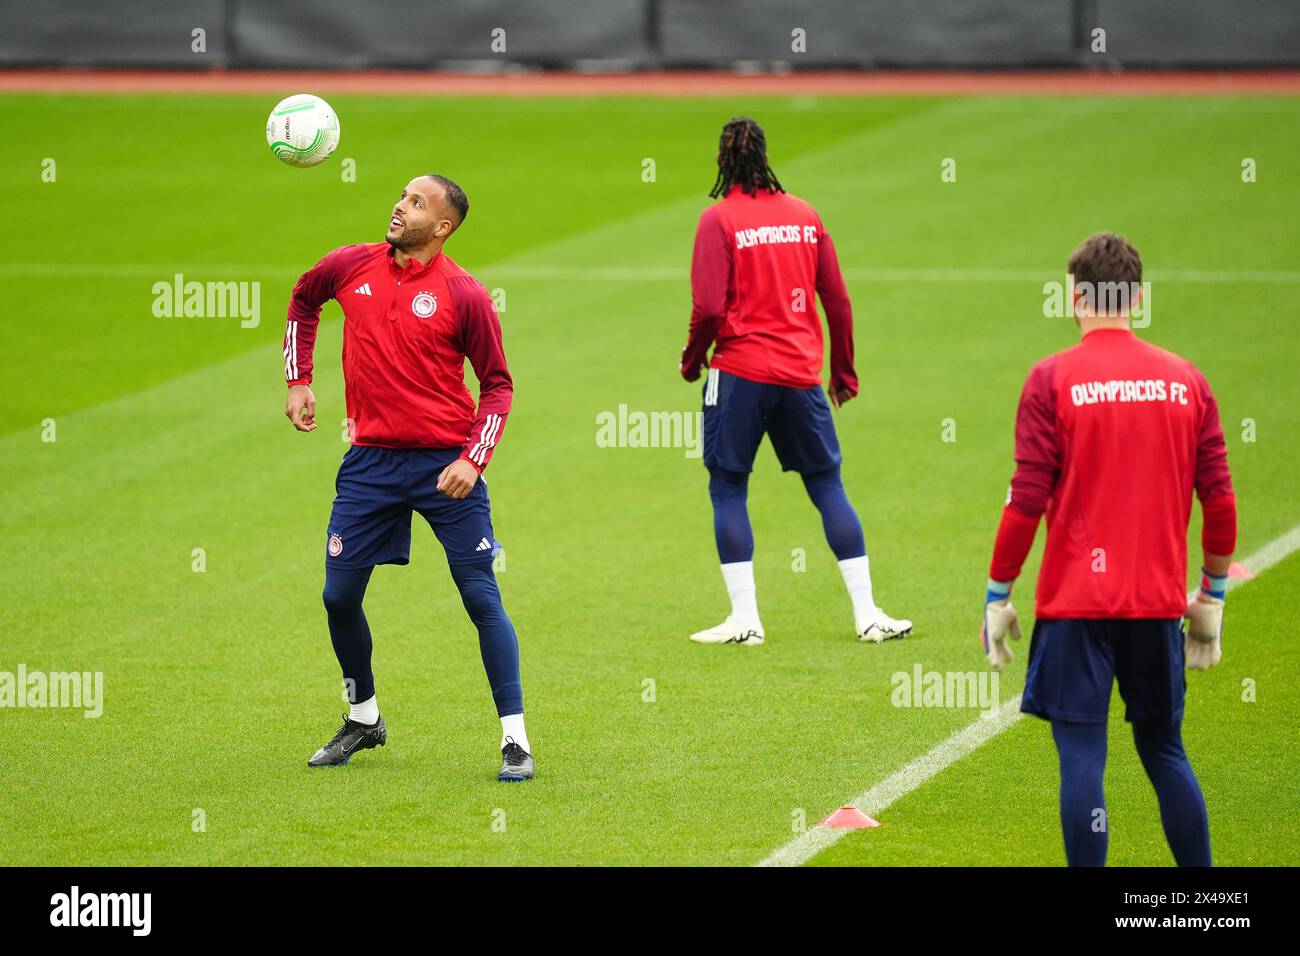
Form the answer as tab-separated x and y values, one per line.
660	84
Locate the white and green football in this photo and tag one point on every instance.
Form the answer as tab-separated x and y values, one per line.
302	130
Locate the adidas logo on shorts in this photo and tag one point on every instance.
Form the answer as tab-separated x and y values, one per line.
484	545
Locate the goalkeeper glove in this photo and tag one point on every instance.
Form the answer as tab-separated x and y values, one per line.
999	621
1202	643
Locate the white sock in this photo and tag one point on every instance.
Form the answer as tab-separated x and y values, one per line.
857	578
739	577
512	726
366	712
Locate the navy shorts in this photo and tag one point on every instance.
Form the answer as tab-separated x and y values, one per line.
376	491
1073	663
739	412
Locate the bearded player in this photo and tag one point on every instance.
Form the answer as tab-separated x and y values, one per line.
411	319
759	256
1113	436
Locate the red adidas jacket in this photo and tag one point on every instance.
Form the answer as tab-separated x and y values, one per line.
406	335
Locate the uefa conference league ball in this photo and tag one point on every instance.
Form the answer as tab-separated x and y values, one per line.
302	130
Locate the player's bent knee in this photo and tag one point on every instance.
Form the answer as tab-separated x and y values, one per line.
479	593
820	483
727	484
344	589
482	607
339	600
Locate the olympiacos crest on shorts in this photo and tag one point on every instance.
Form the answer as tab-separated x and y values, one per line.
335	546
424	305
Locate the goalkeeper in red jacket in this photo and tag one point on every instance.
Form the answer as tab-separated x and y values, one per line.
1113	436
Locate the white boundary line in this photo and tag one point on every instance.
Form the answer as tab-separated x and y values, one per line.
970	738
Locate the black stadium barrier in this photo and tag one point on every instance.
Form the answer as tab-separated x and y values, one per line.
635	34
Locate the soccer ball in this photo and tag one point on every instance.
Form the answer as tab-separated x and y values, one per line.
302	130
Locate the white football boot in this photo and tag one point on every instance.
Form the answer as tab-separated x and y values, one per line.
881	627
731	631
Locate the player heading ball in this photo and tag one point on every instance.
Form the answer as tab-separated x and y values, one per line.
759	255
411	319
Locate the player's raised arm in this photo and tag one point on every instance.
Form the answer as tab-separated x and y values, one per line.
1037	470
710	275
480	330
314	288
1203	647
839	320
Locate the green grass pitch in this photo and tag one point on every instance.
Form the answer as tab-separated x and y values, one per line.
170	437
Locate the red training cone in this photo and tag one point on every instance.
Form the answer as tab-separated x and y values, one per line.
848	818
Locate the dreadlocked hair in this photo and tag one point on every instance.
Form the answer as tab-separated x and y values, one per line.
742	159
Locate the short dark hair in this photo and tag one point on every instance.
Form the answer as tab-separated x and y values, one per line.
1105	257
456	197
